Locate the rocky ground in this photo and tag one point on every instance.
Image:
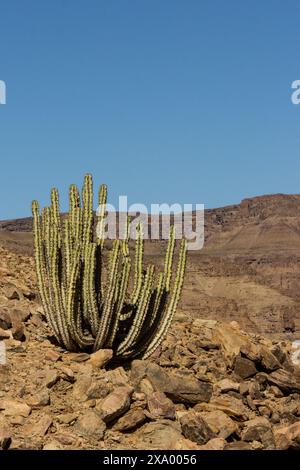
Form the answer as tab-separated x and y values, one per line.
209	386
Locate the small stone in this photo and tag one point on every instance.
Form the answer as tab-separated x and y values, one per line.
78	357
90	425
244	368
268	360
118	376
221	423
51	378
217	443
39	428
5	321
259	429
11	292
40	399
115	404
98	390
288	437
67	418
82	385
131	420
14	408
18	331
52	445
52	356
4	334
226	385
160	406
195	428
159	435
67	374
100	358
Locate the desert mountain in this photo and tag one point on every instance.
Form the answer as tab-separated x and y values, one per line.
248	270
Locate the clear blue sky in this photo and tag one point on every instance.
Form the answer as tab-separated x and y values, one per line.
164	100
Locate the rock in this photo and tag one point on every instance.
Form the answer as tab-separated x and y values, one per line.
197	345
159	435
254	391
12	407
233	407
244	388
90	425
19	315
83	384
5	321
273	390
244	368
39	428
4	334
232	341
238	445
220	421
78	357
218	443
226	385
100	358
51	378
5	435
160	406
98	390
11	292
118	377
40	399
285	380
195	428
52	445
188	389
67	418
288	437
67	374
18	331
4	373
179	387
66	439
268	360
199	323
14	345
131	420
259	429
52	356
115	404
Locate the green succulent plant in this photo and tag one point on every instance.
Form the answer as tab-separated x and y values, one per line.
88	300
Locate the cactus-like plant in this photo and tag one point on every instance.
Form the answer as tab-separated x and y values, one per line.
86	309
